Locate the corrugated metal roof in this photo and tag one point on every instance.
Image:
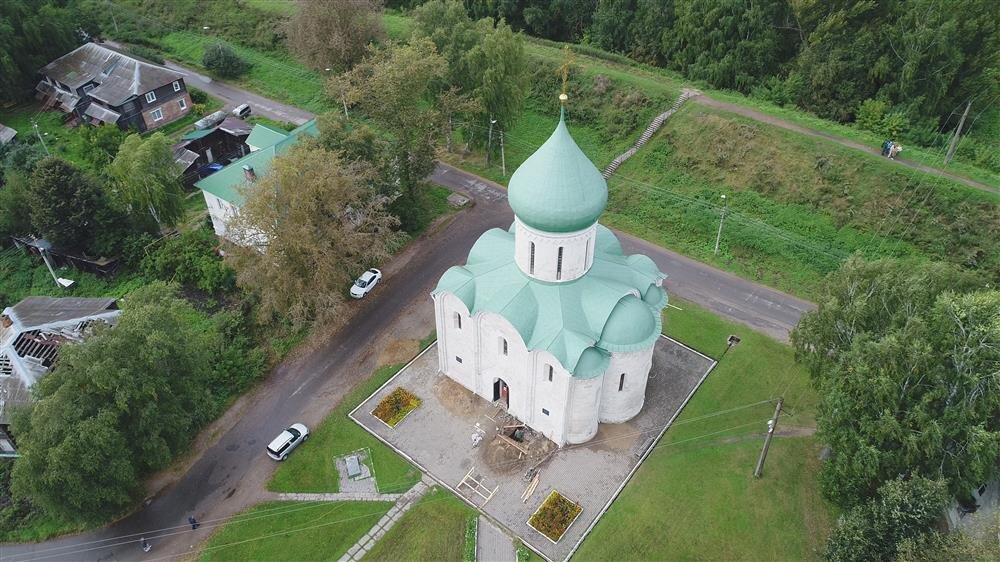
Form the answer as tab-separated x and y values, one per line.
119	76
227	182
102	113
39	311
262	136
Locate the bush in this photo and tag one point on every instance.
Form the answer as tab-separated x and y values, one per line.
190	259
223	61
146	53
197	96
903	510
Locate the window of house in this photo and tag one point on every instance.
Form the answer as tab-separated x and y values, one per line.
182	104
157	114
559	264
150	97
457	358
177	85
544	411
531	257
458	321
503	345
550	373
621	382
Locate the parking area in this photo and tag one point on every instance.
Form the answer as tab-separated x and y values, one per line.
453	437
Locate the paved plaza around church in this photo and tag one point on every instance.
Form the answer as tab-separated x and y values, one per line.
439	437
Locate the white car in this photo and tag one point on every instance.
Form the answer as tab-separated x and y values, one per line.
282	445
364	284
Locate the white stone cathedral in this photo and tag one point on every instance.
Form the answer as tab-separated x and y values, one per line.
550	318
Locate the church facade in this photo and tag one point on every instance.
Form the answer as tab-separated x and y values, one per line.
550	318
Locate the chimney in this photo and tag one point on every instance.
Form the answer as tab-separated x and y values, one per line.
248	172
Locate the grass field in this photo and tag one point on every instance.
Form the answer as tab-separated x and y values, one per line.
293	531
311	468
433	529
798	205
277	76
65	142
694	498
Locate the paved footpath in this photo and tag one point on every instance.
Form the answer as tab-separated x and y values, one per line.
492	544
403	504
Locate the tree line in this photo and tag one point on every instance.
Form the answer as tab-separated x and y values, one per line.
923	58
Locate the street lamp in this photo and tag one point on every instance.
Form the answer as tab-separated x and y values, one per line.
722	217
43	247
489	142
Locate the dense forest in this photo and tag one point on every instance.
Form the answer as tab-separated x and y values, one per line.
899	67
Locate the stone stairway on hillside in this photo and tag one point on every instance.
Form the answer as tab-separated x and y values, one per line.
654	126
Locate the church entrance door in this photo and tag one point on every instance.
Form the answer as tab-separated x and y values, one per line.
501	392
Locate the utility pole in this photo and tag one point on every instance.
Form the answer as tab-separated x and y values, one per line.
39	135
489	143
958	132
771	424
722	217
503	157
111	9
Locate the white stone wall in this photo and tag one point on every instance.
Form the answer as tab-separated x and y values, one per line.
514	367
456	345
617	406
584	401
578	252
548	411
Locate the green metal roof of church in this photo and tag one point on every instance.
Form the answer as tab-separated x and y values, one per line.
227	182
614	307
558	189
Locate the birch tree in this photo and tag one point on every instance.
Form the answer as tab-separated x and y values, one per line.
906	359
145	178
313	223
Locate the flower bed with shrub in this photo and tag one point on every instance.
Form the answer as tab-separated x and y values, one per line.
396	406
555	516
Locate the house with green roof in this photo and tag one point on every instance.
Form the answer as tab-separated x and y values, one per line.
550	319
224	189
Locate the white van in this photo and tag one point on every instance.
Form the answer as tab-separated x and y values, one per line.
242	111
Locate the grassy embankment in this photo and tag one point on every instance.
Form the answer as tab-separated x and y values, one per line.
293	530
695	496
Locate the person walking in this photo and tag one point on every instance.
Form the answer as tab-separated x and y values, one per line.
895	150
194	523
144	545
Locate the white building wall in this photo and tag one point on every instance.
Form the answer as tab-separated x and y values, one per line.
584	401
456	334
513	367
548	412
221	212
617	406
578	252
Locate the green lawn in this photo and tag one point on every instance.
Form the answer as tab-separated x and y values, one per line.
930	156
277	76
434	529
311	468
60	140
694	498
293	531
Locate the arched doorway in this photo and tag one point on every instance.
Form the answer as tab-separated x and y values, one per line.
501	392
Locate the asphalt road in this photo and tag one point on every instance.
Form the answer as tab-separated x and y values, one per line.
232	471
